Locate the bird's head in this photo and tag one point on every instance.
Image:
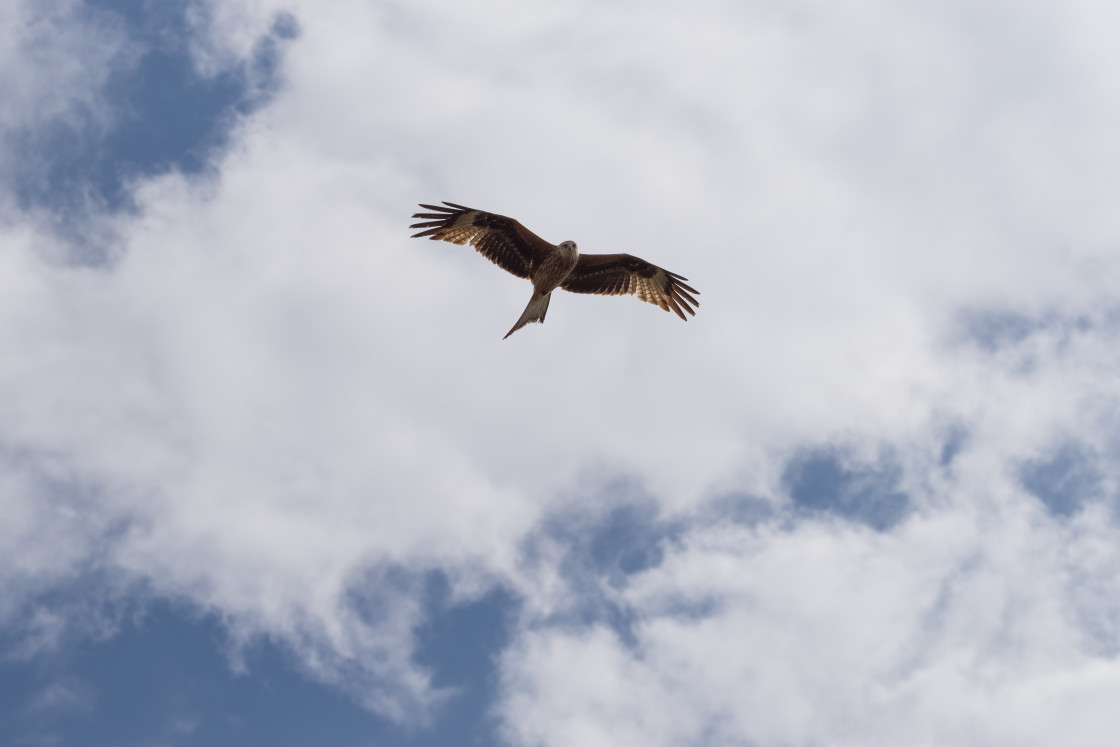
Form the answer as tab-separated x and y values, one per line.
570	248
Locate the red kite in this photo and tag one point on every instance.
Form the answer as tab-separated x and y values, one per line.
516	249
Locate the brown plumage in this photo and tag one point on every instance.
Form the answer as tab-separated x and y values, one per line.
516	249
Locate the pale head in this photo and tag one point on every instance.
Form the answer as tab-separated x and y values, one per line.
569	248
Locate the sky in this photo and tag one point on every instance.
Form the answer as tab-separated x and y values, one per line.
269	475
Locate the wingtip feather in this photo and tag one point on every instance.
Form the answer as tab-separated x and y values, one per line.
684	295
672	304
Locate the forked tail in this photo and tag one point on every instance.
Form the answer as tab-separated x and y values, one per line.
534	312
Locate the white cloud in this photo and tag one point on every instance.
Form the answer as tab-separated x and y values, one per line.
54	58
962	626
274	397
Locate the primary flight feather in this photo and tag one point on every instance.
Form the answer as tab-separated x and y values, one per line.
516	249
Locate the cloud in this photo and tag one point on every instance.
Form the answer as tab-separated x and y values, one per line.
963	625
278	408
57	55
61	696
984	614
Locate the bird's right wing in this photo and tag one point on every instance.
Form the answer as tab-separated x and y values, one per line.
502	240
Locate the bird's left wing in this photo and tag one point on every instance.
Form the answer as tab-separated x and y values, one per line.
620	274
502	240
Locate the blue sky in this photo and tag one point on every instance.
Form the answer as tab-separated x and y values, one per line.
165	677
270	476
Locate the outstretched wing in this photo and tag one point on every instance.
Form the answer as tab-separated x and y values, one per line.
620	274
502	240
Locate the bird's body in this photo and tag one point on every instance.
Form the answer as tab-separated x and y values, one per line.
514	248
553	270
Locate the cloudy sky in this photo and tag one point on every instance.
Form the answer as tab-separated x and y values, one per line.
270	476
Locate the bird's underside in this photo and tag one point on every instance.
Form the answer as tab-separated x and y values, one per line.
516	249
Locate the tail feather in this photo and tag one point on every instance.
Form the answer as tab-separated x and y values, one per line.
534	312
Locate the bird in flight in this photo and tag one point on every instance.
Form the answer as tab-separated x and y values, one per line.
516	249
